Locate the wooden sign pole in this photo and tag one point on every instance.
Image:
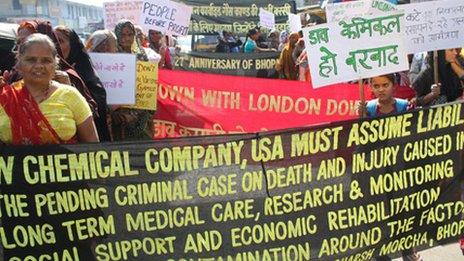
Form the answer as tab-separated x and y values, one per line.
435	67
362	98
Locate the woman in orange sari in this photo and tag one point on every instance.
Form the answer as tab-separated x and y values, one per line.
286	66
38	110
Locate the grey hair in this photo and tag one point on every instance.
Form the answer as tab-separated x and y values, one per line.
97	38
37	39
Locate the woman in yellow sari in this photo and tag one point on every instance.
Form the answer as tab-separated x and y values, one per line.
38	110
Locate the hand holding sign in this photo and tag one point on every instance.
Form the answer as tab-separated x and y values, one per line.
166	16
117	73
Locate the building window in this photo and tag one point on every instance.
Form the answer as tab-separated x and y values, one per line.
16	5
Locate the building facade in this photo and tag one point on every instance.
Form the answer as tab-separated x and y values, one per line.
81	17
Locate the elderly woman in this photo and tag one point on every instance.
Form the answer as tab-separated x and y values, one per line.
38	110
102	41
128	123
65	74
140	37
127	42
74	54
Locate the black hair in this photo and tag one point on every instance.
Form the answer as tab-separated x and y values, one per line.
451	85
251	32
391	77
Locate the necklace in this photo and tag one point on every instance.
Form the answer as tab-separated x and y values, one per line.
43	95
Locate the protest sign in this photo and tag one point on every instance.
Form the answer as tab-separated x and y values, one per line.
341	11
240	64
354	190
382	6
216	104
213	16
266	19
117	10
360	47
294	22
166	16
323	3
117	73
147	86
434	25
346	10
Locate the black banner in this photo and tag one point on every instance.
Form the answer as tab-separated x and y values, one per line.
239	64
345	191
235	16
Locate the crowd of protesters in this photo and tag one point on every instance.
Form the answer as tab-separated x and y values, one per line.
112	123
416	85
52	95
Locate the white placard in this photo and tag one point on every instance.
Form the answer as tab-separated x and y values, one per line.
342	11
166	16
324	4
117	72
294	20
434	25
117	10
349	50
266	19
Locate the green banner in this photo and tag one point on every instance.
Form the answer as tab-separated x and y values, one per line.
238	17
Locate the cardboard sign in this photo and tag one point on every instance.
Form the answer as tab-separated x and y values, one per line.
295	22
435	25
360	47
166	16
115	11
147	85
266	19
117	73
342	11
